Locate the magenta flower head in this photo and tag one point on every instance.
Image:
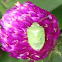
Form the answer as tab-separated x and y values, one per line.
28	32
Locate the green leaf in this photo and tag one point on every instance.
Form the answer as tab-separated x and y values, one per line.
56	58
59	45
6	58
0	44
0	15
58	13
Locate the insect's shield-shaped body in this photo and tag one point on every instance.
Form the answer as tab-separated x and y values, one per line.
36	36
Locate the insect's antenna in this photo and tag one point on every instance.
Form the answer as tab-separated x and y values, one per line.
43	18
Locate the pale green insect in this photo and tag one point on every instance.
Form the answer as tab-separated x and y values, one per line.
36	36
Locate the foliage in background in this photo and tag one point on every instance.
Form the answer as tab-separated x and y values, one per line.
55	7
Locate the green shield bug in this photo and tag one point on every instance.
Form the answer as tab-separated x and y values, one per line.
36	36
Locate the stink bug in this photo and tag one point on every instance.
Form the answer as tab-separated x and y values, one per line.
36	36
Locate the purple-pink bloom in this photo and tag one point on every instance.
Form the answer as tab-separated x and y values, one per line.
13	32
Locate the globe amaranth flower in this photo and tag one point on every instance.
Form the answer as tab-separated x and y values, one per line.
15	23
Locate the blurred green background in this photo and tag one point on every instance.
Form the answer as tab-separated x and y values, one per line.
53	6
